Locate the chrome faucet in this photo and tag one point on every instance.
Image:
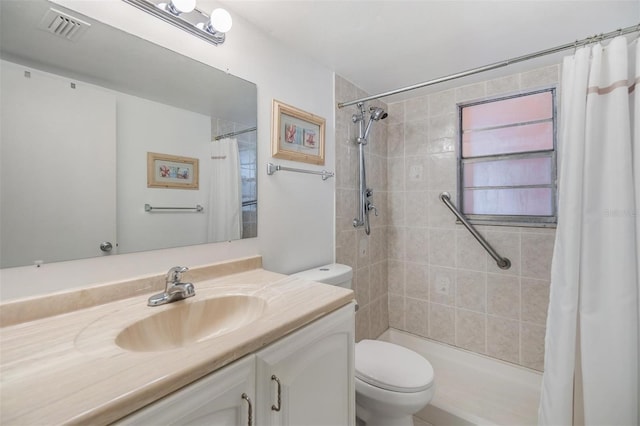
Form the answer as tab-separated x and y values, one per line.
174	289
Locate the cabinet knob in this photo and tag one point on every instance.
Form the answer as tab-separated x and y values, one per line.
250	409
277	407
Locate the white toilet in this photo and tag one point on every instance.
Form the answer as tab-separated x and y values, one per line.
392	382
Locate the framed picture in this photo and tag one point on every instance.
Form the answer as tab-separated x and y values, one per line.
297	135
171	171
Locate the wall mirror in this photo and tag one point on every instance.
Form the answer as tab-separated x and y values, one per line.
82	106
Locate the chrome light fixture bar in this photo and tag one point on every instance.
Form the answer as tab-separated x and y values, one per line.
184	15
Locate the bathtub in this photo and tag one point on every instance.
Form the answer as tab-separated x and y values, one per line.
473	389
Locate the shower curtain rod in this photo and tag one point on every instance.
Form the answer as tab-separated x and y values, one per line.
572	45
239	132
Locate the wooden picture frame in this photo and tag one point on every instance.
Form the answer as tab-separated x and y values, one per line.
297	135
171	171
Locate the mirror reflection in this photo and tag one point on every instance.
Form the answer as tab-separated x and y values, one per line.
81	114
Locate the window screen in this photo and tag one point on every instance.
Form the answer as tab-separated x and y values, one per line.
507	160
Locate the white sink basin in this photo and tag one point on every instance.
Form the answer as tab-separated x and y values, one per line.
184	323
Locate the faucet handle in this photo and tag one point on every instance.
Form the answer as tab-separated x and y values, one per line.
175	273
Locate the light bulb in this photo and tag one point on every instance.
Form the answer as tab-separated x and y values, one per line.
221	20
181	6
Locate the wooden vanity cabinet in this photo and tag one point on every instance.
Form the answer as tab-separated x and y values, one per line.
305	378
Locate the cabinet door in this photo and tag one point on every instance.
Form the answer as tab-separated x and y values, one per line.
213	400
315	368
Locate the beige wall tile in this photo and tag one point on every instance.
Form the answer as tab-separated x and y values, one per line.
395	174
417	280
442	171
417	245
471	290
537	251
540	77
469	253
443	126
439	215
503	296
532	349
362	286
416	209
471	330
442	323
442	247
535	300
442	103
416	316
416	137
346	247
417	175
395	140
416	109
362	323
395	243
396	311
503	85
396	277
396	208
396	112
471	92
503	337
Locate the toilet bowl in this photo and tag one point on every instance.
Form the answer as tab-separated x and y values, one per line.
392	382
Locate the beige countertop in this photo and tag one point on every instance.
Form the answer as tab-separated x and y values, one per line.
67	369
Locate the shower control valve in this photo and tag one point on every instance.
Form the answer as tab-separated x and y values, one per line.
372	207
369	192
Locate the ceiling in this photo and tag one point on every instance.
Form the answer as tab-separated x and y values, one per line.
385	45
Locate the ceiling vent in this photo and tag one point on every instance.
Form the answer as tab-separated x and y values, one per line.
63	25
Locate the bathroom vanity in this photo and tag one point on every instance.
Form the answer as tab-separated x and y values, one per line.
280	351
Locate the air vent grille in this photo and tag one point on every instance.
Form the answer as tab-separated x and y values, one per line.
63	25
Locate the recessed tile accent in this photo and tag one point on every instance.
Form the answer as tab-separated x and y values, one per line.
535	300
442	323
471	290
503	296
532	348
416	173
471	330
442	285
416	316
503	337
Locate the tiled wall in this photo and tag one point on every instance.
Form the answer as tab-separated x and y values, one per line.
441	283
366	254
437	280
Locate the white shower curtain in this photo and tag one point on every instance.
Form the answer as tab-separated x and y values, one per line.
225	200
593	307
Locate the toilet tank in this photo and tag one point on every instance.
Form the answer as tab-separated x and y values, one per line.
334	274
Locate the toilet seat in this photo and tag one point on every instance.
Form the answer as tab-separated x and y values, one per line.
392	367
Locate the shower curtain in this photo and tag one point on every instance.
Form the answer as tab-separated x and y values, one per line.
593	322
225	200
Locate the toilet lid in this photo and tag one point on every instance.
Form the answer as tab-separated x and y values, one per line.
392	367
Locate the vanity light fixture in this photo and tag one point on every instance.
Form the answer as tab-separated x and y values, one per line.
185	15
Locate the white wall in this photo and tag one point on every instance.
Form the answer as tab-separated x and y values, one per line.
296	211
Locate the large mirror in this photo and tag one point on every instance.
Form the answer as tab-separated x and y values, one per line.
91	118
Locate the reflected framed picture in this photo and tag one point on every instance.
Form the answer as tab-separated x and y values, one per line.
297	135
171	171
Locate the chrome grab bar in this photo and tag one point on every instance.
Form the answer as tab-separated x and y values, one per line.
502	262
150	208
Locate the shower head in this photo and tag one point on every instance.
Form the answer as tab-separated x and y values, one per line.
377	113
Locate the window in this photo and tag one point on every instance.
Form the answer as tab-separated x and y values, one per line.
507	160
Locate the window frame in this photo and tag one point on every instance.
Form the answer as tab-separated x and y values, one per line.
512	220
